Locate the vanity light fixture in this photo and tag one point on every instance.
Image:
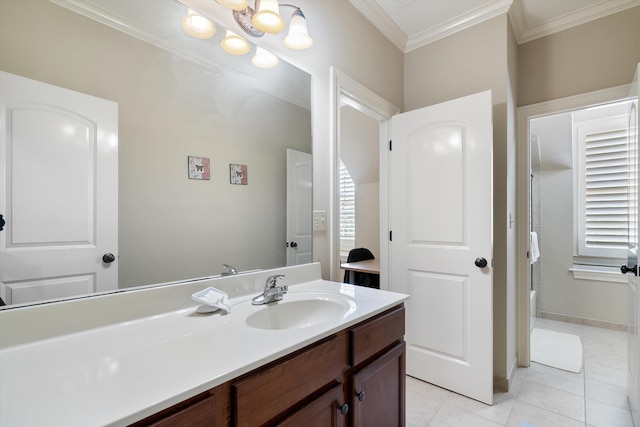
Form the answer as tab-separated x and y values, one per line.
198	26
298	37
266	18
234	44
264	58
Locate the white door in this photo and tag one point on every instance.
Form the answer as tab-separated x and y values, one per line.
58	191
440	213
632	257
299	241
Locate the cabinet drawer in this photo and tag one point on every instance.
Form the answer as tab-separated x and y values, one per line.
199	411
375	335
264	395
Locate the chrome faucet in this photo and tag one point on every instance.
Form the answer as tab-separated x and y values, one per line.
271	292
230	270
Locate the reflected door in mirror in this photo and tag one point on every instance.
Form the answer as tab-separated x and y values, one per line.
299	201
59	186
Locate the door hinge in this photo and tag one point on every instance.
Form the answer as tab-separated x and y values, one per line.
391	235
390	145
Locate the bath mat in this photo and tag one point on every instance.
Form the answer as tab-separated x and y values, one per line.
556	349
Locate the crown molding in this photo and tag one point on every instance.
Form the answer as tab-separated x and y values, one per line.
377	16
459	23
518	20
515	9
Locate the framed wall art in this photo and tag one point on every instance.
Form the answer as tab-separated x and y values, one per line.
199	168
238	174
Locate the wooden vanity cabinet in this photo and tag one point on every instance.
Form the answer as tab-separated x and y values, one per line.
355	377
208	409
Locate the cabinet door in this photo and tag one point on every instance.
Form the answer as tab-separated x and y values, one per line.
325	411
378	391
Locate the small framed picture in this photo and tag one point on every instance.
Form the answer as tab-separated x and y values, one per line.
199	168
238	174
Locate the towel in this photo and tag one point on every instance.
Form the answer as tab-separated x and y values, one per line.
534	251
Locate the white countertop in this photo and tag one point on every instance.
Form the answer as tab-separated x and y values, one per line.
120	373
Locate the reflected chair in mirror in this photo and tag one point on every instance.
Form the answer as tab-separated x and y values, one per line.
370	280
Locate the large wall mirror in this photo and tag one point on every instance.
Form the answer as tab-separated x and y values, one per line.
177	97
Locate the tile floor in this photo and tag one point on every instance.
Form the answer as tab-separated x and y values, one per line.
540	396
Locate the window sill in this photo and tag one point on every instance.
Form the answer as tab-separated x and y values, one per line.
597	273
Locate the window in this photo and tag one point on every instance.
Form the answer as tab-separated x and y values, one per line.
603	189
347	212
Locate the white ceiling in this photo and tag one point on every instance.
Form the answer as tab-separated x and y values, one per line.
410	24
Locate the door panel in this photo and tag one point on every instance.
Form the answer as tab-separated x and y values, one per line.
52	202
436	155
299	234
58	191
452	292
441	222
51	288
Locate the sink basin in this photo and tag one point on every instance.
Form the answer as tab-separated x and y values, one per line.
302	310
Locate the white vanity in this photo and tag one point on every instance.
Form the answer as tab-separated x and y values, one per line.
121	358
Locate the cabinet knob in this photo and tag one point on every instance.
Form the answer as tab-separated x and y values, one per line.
343	409
360	395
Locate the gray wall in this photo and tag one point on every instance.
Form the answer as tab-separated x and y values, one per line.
596	55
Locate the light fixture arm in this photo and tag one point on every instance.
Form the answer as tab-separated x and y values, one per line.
290	5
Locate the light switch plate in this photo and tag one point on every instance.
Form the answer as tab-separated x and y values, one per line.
319	220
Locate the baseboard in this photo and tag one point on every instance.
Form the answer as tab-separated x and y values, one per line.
500	384
584	321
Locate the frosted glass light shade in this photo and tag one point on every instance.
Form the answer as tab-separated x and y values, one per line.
264	59
198	26
234	44
298	38
267	17
234	4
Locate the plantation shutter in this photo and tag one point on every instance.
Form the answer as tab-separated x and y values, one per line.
604	196
347	205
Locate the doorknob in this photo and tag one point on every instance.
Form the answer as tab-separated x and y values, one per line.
294	245
480	262
2	223
624	269
108	258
